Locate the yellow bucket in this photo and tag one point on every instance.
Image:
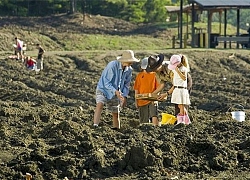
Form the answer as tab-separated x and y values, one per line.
168	118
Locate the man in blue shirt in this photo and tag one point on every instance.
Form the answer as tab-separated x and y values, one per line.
113	87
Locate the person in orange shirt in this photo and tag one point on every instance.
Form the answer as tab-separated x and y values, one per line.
146	83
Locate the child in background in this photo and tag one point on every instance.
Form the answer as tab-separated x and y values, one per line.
179	66
146	83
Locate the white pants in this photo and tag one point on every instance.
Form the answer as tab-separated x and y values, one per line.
39	64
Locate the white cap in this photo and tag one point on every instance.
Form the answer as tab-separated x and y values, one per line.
144	63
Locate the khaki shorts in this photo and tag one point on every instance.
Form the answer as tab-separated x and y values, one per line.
112	104
148	111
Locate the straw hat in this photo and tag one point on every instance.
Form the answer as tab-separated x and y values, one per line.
127	56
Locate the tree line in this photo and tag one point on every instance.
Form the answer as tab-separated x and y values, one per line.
130	10
140	11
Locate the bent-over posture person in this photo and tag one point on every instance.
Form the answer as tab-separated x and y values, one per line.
113	87
30	63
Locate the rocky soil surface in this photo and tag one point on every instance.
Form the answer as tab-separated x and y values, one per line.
46	122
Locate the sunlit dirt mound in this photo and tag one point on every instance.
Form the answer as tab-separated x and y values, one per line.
71	23
53	30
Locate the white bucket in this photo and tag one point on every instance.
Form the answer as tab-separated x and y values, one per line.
238	115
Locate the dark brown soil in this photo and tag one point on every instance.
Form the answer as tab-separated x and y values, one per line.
46	122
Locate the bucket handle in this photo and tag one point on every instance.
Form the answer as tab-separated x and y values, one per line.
240	107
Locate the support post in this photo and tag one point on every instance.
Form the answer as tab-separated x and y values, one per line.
220	14
185	40
193	19
201	43
178	25
173	42
225	27
187	25
230	43
206	39
181	22
209	26
238	26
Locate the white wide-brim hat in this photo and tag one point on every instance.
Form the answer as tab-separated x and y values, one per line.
127	56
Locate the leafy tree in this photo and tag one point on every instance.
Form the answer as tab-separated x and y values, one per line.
155	10
134	11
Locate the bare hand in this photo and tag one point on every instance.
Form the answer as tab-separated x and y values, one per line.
119	95
136	105
123	102
162	96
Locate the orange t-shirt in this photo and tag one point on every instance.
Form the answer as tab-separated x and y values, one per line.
145	83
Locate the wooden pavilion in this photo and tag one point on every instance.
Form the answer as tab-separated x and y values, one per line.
211	6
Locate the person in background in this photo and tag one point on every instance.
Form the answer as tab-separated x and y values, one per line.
146	82
30	63
24	49
41	52
19	49
113	87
